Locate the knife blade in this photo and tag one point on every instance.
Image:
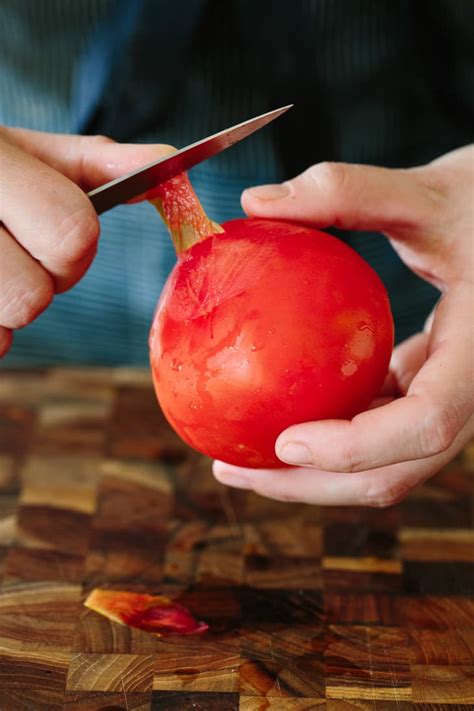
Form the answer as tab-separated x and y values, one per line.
149	176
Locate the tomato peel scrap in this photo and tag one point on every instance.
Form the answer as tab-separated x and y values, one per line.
156	614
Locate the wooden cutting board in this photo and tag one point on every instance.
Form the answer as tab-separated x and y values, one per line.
333	609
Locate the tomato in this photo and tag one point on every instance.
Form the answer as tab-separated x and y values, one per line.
266	325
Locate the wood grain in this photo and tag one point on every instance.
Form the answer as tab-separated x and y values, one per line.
35	669
110	672
38	615
363	608
440	612
425	544
106	701
198	665
285	662
443	684
355	654
442	647
279	703
336	609
194	701
26	699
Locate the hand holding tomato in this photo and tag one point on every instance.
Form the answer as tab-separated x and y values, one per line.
425	415
48	227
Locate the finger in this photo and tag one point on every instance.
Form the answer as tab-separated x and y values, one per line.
422	424
26	288
385	486
6	339
48	215
380	401
407	360
89	161
379	487
356	197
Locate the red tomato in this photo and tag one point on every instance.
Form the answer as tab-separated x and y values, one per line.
267	325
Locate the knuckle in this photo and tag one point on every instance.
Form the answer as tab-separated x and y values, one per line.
87	145
432	181
385	494
100	139
77	235
331	177
348	459
432	189
439	430
167	148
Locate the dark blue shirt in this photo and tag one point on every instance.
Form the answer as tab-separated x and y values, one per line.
373	82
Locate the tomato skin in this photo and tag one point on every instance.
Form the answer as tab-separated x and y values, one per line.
267	325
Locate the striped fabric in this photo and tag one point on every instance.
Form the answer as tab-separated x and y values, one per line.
105	319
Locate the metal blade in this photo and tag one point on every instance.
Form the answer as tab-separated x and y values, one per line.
149	176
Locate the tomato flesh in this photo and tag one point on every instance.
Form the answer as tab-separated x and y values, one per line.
266	325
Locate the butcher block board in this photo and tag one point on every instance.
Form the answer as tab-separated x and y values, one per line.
309	608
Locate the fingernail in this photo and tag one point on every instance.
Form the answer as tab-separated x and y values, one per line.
269	192
296	453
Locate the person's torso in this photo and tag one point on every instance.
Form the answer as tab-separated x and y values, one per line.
367	86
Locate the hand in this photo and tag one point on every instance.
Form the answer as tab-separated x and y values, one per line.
48	227
425	414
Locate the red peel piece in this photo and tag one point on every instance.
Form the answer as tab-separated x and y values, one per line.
152	613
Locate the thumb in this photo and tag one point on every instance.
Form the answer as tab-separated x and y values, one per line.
355	197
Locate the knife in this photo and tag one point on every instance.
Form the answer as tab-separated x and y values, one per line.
149	176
